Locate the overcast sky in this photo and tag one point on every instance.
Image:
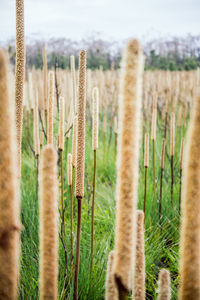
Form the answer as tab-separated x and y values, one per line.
116	19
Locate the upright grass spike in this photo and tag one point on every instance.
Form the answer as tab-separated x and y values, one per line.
61	149
181	169
48	224
153	137
73	74
50	108
74	144
95	133
190	223
19	75
146	165
139	272
127	166
115	131
111	288
45	70
172	147
9	190
164	285
69	176
36	139
162	166
80	159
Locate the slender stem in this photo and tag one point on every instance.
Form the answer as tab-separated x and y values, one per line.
37	175
75	296
92	221
145	191
154	170
180	191
115	145
166	121
172	177
71	215
62	191
160	203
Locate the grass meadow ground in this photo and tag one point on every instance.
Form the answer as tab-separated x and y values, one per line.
161	240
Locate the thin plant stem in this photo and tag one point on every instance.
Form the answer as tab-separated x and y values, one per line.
154	170
92	220
166	121
75	295
180	191
71	216
172	177
115	145
37	175
62	191
160	202
145	191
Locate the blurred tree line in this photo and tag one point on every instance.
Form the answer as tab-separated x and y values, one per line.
173	54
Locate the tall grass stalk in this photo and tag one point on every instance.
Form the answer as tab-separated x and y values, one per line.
162	166
172	147
180	174
146	165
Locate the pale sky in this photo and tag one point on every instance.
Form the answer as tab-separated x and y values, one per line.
116	19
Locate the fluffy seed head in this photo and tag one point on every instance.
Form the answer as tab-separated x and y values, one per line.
48	224
9	190
73	74
61	122
146	150
19	75
36	127
95	125
190	225
69	169
127	162
45	77
111	288
80	149
164	285
50	108
139	272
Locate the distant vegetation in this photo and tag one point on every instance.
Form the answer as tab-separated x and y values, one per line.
165	54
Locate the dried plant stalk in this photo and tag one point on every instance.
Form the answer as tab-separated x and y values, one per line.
190	233
164	285
73	74
80	159
9	190
80	149
127	165
61	122
95	125
172	134
139	272
146	152
50	108
19	75
36	127
163	154
111	288
45	78
48	224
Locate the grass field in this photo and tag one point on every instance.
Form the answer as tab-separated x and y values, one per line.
161	240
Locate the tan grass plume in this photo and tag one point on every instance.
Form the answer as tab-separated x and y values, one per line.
19	75
95	119
45	78
190	232
111	288
80	149
61	122
51	88
9	190
127	163
36	127
48	224
73	74
164	285
139	272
